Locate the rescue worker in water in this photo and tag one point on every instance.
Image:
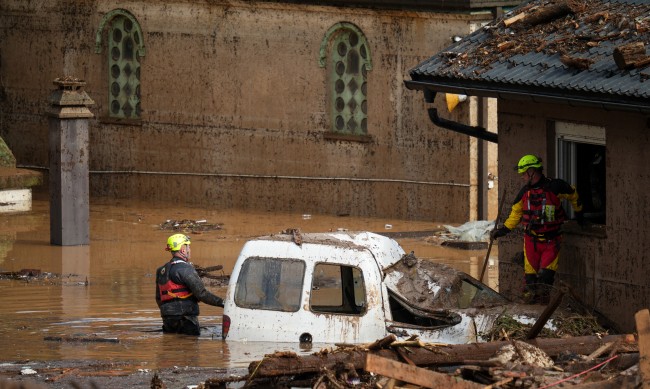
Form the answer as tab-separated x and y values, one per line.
179	290
538	207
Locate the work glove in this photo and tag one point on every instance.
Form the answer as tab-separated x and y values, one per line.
580	218
499	232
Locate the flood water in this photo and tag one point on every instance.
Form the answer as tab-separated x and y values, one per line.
105	291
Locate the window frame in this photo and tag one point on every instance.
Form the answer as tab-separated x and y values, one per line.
138	52
570	136
243	281
358	310
359	113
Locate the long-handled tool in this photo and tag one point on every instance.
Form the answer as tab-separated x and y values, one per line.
496	224
205	271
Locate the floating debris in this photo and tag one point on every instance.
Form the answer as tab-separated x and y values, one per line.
190	226
80	339
27	274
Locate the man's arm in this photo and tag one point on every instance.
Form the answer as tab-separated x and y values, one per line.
158	294
194	283
516	212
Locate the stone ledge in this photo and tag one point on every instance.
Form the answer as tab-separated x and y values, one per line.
16	178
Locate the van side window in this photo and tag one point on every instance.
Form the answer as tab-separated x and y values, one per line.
270	283
338	289
473	295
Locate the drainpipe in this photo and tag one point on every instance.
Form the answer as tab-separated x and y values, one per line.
482	204
475	131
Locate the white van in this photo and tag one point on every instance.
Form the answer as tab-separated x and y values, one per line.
346	287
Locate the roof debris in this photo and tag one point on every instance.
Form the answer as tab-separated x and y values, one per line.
582	46
560	27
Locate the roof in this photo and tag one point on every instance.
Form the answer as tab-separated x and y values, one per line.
386	251
590	52
422	5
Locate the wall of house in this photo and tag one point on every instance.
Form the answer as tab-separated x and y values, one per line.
235	107
605	265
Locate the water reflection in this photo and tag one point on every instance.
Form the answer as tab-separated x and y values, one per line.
102	305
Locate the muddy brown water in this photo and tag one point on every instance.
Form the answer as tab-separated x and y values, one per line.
105	292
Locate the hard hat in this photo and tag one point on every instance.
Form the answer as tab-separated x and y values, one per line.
176	241
528	161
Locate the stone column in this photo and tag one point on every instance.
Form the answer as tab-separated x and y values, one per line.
69	181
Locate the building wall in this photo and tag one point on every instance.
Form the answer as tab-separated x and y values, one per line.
606	265
235	107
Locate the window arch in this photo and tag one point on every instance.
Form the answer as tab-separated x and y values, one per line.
125	46
348	66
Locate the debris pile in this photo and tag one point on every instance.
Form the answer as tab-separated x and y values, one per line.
507	327
190	226
386	363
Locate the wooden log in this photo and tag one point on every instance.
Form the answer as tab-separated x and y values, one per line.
597	17
642	63
642	319
547	13
415	375
442	355
628	54
575	62
382	343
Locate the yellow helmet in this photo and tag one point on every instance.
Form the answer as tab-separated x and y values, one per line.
176	241
528	161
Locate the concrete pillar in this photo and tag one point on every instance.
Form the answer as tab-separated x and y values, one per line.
69	181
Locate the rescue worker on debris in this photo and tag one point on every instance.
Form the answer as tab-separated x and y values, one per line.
538	207
179	290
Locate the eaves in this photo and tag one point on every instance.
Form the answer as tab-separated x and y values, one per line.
529	93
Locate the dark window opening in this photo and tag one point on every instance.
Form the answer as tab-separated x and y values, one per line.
338	289
403	313
583	165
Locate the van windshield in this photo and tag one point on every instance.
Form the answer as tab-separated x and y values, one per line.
270	283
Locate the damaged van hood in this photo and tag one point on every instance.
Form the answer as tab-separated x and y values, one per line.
430	286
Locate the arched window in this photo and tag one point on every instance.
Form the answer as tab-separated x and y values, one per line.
348	66
125	46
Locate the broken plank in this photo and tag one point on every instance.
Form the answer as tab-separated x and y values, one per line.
642	319
600	351
415	375
509	21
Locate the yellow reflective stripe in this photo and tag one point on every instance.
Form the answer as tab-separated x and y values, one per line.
174	295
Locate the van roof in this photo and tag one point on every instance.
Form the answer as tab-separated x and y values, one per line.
385	250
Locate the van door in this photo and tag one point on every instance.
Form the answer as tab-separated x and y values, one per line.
346	303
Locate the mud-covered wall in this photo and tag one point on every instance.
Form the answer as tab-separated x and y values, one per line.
235	107
606	265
